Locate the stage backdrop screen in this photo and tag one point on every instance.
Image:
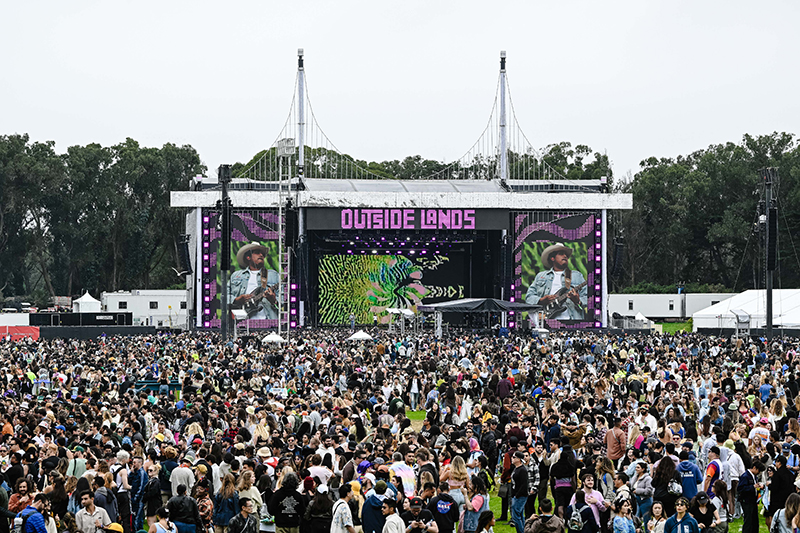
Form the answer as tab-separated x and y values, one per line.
558	265
366	285
254	255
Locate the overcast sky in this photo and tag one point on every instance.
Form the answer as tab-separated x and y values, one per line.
388	79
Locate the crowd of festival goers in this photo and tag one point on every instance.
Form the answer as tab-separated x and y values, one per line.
580	432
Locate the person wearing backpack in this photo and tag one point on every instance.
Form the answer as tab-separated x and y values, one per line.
31	519
580	517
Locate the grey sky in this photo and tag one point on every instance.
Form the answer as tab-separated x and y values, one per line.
392	79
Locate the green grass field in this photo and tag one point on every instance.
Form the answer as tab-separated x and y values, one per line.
415	415
674	327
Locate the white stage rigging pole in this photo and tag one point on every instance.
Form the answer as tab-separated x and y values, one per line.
503	146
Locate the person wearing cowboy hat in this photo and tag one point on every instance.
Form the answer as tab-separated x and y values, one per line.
244	282
557	275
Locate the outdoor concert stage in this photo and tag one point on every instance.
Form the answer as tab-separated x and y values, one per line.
361	246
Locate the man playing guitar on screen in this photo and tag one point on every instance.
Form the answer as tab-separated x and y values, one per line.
253	287
560	290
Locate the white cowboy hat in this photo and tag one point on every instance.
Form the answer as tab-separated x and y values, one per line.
554	248
247	248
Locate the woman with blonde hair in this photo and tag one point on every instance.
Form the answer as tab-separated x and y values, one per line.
248	490
776	412
457	479
633	436
194	429
151	497
286	470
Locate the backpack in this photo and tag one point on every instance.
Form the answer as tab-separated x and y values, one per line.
575	522
21	523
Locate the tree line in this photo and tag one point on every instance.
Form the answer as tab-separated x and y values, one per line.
98	218
695	217
94	218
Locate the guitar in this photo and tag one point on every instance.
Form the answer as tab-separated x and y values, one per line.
253	305
558	305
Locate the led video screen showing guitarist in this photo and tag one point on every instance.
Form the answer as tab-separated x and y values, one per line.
253	287
559	287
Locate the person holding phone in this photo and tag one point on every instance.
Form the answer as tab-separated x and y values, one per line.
417	519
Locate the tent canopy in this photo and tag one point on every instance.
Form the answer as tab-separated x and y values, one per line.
478	305
86	304
751	306
273	337
360	335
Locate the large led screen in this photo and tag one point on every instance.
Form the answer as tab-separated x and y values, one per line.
366	285
253	284
558	266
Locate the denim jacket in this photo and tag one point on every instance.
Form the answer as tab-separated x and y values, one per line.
542	284
238	286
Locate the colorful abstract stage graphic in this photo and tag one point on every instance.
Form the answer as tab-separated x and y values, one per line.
367	285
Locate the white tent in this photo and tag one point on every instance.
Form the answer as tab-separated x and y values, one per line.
360	335
273	337
86	304
722	315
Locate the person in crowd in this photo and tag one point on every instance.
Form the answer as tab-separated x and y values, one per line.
667	486
91	518
642	491
184	511
623	517
748	488
784	518
545	521
151	495
392	521
342	515
681	521
486	522
720	503
704	512
246	521
580	518
519	491
163	523
418	519
445	509
781	485
33	515
657	518
226	504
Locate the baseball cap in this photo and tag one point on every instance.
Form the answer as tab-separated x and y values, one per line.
415	503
